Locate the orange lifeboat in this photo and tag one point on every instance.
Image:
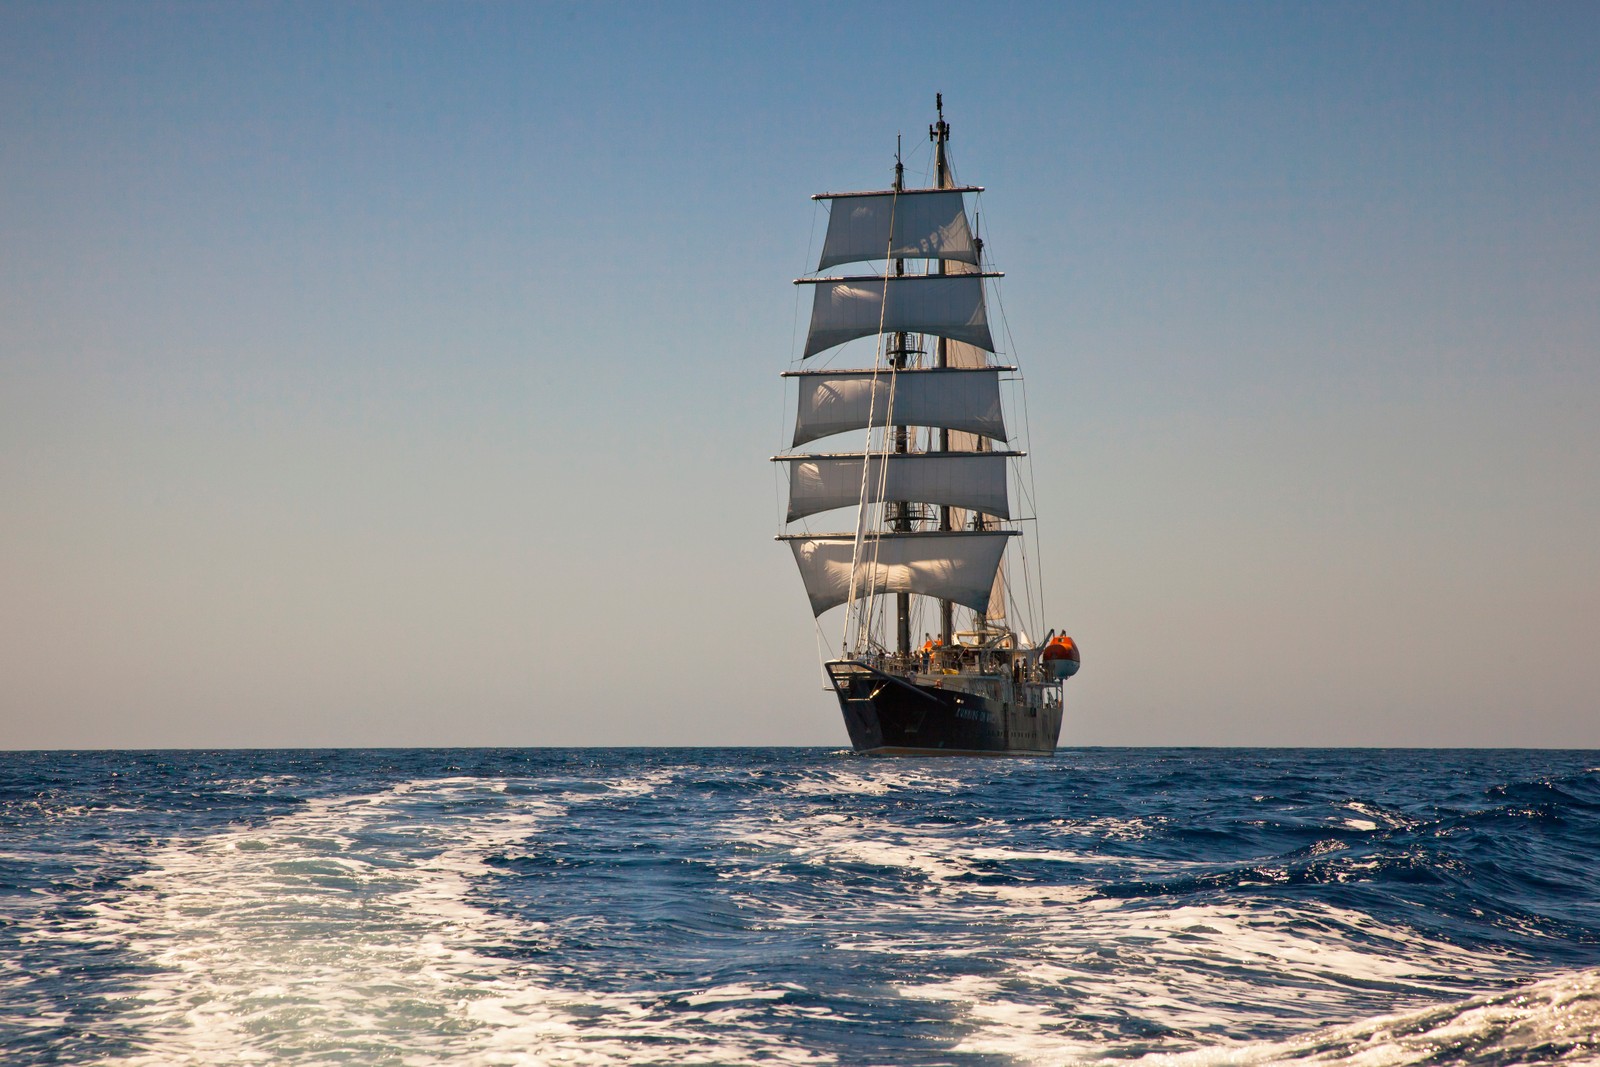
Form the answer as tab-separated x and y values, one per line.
1060	657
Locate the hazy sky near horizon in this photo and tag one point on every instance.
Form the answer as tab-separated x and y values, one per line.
405	374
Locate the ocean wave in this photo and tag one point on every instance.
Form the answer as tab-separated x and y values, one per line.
802	907
1552	1021
365	930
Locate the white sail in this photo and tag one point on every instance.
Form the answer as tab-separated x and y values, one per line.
975	480
922	224
944	305
997	598
996	611
962	355
961	441
841	401
951	565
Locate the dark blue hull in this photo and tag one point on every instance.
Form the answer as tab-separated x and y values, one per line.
893	715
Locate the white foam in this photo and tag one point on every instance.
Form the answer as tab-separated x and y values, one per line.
365	929
723	994
1553	1021
1058	971
872	779
353	931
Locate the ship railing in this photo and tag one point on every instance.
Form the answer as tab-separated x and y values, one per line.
842	673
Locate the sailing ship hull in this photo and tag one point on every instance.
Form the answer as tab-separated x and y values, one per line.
893	715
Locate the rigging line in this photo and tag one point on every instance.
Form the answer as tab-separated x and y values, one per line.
861	504
1027	431
1034	620
888	416
822	648
811	244
1027	439
795	361
779	478
1027	572
794	322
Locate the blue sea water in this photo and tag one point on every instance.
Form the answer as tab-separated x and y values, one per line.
807	906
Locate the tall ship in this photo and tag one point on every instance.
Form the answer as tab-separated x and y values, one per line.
932	564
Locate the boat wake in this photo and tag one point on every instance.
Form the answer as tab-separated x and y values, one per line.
808	909
365	930
1553	1021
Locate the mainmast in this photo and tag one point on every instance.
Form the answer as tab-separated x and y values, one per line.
939	133
900	510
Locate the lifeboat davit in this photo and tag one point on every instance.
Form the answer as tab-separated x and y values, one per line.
1060	657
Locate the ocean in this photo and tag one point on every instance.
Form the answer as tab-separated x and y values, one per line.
799	906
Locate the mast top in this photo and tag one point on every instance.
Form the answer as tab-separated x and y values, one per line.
939	132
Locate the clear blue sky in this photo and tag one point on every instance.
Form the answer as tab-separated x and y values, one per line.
406	374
